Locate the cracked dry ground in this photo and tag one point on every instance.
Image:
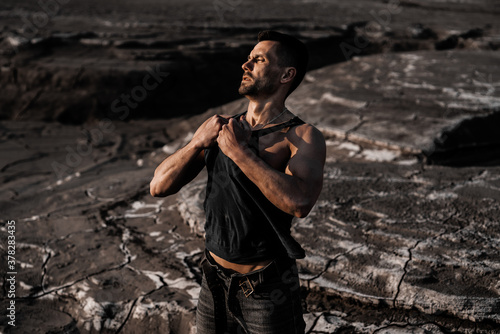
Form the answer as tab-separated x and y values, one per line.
393	246
415	245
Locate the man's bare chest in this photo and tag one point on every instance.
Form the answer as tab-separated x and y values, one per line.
274	149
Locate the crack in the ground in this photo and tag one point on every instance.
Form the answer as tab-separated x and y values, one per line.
355	127
141	297
64	286
137	300
49	253
410	324
31	159
405	271
410	256
327	265
315	322
123	248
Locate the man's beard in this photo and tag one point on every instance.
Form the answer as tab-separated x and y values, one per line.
257	87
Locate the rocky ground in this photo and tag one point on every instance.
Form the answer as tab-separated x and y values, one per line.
405	237
73	61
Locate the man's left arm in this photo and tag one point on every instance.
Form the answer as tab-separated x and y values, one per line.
294	191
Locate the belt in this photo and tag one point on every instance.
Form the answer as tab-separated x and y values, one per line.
217	289
249	282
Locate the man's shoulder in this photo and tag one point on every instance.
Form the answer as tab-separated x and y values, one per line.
306	131
308	141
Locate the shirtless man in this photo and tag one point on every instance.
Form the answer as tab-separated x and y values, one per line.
264	167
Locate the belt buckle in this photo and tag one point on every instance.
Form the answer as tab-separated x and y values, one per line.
247	287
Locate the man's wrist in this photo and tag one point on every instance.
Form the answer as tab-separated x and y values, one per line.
242	153
195	145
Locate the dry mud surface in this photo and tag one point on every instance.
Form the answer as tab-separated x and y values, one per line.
405	237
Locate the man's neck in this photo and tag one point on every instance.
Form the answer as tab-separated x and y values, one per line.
260	112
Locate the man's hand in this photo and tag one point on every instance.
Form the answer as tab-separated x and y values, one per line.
181	167
207	133
234	136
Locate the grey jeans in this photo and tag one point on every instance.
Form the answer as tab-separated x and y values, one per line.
266	301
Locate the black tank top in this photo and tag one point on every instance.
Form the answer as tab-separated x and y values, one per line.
242	225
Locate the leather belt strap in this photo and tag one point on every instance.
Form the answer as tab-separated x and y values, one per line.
218	296
277	268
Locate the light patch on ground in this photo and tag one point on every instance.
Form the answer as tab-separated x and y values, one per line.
379	155
350	147
343	101
441	196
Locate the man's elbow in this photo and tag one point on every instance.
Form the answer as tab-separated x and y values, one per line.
302	210
302	213
156	190
153	189
305	202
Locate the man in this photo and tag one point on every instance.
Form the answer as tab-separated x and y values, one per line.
264	167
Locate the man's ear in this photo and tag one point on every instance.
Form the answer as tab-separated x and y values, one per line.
288	74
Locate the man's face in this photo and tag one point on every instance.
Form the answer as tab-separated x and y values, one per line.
262	73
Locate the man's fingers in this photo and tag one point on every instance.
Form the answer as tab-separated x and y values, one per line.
230	125
246	126
222	119
219	120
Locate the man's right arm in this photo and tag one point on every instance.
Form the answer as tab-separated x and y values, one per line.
182	167
176	171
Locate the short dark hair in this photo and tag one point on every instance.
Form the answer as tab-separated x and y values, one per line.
291	53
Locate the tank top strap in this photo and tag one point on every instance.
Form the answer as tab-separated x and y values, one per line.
239	115
291	123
